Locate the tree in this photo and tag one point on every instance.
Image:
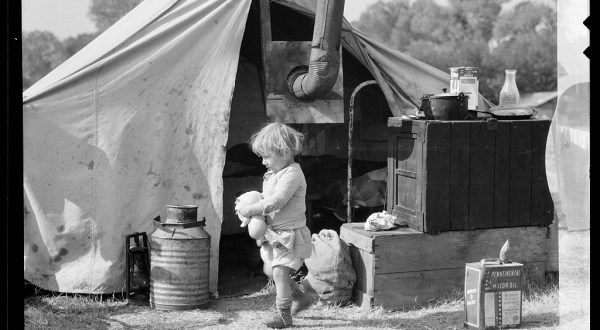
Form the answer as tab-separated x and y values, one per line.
105	13
526	41
474	18
430	22
380	19
74	44
42	52
472	33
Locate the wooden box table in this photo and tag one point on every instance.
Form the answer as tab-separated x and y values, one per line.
404	268
468	174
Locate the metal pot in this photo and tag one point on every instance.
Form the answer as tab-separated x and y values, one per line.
446	106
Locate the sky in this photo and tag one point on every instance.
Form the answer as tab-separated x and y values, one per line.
64	18
51	15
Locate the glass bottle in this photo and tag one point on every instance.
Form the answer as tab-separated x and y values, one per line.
509	95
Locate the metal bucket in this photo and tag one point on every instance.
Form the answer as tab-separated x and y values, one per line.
180	260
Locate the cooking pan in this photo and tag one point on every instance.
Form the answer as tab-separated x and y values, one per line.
512	113
446	106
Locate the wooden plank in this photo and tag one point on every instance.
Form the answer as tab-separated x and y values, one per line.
406	290
362	299
392	183
481	192
520	173
542	208
355	234
414	252
288	110
406	249
363	264
408	158
459	175
502	175
409	289
436	178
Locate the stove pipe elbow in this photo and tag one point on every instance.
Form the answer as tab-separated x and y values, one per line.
309	83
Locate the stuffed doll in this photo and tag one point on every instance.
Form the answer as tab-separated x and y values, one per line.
256	223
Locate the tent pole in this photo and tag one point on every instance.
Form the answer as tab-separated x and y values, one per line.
265	37
350	129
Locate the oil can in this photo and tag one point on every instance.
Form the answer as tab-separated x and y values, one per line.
493	294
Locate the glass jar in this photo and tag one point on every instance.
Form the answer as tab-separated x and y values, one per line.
509	95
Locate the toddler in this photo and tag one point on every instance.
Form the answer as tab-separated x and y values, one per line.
287	240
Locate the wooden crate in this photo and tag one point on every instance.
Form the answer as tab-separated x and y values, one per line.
469	174
404	268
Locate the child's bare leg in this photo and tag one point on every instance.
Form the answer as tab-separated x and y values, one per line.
281	277
283	300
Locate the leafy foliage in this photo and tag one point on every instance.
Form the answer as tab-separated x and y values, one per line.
105	13
384	18
472	33
527	43
75	44
42	52
430	22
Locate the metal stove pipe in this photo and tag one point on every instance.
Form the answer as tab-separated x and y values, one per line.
322	72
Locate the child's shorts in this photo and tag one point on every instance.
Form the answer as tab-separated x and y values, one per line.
278	257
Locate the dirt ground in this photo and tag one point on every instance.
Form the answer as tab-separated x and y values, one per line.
246	298
250	301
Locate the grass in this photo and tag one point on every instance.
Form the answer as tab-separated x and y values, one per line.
540	308
63	311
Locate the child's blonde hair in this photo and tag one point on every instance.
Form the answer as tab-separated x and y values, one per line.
277	139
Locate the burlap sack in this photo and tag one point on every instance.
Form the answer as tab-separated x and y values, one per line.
330	277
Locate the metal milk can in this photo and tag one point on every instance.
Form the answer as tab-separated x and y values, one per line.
180	259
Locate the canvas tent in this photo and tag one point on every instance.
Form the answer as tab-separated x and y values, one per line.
139	119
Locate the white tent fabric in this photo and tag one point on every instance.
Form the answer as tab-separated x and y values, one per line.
119	131
139	119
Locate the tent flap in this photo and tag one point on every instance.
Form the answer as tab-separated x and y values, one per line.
106	149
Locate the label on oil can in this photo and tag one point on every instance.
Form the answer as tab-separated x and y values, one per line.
493	295
489	303
511	307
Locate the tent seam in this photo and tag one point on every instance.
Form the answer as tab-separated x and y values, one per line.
93	244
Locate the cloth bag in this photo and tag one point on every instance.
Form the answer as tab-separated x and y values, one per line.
331	277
